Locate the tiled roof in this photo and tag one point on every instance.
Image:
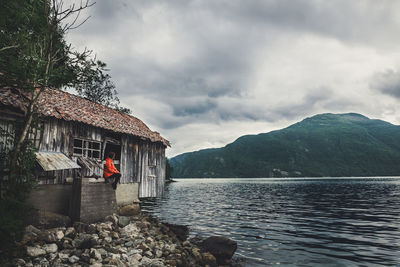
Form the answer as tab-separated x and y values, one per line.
69	107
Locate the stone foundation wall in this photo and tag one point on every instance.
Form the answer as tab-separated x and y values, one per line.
92	202
52	198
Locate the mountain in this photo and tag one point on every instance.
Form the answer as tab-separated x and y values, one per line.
332	145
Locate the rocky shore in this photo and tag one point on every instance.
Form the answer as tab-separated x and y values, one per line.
121	241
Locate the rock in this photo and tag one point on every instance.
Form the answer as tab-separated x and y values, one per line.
129	210
137	257
197	255
80	227
95	254
128	244
32	229
114	235
63	256
84	241
209	259
116	262
35	251
70	232
145	261
181	231
123	221
50	248
130	230
221	247
158	253
148	254
156	263
19	262
28	238
102	252
59	235
91	229
111	218
143	247
47	236
73	259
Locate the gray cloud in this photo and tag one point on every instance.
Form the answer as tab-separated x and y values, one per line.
232	66
387	82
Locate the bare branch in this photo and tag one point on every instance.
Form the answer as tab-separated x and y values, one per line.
8	47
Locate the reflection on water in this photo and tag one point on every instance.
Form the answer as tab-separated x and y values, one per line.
299	222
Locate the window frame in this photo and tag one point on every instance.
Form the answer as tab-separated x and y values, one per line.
87	147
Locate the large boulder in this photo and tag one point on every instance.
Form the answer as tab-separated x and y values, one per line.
221	247
129	210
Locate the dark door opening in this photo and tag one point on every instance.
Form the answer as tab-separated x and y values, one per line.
110	147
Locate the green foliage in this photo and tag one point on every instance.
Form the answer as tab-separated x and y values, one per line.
11	226
96	85
168	169
323	145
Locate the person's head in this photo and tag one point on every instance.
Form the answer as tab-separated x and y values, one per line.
111	155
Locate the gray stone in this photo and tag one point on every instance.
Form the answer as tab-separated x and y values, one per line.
145	261
158	253
148	254
32	229
111	218
47	236
128	244
19	262
73	259
59	235
123	221
102	252
156	263
70	232
50	248
94	253
63	256
34	251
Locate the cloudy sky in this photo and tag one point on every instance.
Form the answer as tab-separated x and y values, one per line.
204	72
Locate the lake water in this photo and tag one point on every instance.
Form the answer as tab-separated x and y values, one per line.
292	222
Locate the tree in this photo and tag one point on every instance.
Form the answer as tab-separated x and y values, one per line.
98	87
168	170
34	55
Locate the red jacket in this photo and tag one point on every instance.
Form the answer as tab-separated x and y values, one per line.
109	168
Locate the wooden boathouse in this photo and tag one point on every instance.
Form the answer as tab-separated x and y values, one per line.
85	132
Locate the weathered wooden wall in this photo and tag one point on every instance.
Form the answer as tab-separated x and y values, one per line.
141	161
58	136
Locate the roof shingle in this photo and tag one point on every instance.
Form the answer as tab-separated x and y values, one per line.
62	105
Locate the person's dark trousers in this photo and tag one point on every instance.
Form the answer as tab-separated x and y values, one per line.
116	177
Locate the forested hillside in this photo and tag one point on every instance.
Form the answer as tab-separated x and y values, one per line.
324	145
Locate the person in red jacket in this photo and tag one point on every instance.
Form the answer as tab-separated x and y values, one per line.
110	172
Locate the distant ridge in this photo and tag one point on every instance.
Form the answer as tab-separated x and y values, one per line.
332	145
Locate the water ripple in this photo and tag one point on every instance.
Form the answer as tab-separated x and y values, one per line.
296	222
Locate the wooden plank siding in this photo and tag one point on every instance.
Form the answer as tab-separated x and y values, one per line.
141	160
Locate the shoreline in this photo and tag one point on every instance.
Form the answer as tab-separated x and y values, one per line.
140	240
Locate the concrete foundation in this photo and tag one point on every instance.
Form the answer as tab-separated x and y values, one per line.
51	198
127	194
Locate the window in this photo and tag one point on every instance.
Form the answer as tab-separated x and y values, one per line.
87	149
